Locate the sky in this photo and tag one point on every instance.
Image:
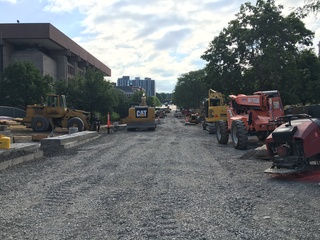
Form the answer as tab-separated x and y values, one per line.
158	39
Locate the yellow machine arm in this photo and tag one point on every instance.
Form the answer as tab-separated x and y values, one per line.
143	100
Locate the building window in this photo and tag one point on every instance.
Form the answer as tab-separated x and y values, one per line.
71	70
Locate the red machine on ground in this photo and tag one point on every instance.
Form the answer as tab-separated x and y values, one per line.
294	144
250	115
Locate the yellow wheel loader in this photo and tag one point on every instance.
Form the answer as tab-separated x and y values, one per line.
141	117
215	110
54	113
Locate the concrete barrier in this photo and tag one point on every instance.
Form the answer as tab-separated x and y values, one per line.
68	140
22	152
73	130
19	153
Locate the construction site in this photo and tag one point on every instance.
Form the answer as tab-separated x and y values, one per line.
176	182
228	147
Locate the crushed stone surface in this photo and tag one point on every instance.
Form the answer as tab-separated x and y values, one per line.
173	183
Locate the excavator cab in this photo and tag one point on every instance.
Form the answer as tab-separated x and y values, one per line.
214	102
215	110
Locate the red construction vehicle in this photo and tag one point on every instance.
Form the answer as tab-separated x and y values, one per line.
294	144
250	115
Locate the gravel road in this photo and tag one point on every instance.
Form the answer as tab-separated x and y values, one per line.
172	183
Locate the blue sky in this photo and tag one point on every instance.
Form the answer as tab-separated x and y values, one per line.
160	39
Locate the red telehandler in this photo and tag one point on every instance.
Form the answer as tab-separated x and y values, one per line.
250	115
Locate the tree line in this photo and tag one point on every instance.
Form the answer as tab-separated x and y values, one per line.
22	84
259	50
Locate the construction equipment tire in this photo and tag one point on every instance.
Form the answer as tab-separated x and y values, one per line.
239	134
76	122
211	129
40	124
222	134
204	127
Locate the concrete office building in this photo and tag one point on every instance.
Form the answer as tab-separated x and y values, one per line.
147	84
48	48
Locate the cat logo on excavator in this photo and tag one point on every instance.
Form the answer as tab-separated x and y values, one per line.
141	113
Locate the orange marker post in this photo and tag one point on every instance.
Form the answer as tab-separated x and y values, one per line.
108	123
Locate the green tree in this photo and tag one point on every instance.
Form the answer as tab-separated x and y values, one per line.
136	97
308	73
96	94
257	50
22	84
160	97
123	103
61	87
73	90
153	101
190	89
311	6
90	92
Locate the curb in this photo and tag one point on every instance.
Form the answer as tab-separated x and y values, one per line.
23	152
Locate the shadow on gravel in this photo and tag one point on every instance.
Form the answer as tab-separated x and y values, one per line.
310	176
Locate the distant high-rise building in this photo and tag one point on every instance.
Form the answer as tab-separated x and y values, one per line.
124	81
147	84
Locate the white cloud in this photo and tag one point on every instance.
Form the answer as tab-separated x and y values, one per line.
68	6
148	38
160	39
9	1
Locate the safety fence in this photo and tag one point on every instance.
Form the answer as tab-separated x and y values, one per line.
12	112
313	110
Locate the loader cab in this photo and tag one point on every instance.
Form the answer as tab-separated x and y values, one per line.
56	101
56	105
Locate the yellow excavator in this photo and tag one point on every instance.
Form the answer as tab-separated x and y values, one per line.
141	117
215	110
